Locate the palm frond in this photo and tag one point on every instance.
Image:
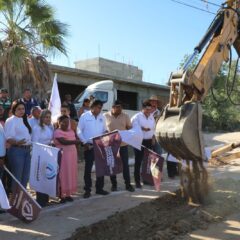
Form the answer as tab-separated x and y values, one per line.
14	57
39	12
39	70
28	31
52	35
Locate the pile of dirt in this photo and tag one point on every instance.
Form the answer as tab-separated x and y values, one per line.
168	217
218	162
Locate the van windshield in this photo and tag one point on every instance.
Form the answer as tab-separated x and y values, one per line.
82	96
98	95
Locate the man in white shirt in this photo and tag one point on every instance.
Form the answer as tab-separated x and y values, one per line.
91	124
145	121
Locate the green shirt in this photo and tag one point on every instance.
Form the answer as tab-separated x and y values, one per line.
6	103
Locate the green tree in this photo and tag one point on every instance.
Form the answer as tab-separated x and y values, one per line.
219	114
28	34
192	65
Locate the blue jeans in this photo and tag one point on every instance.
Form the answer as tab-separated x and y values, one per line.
19	162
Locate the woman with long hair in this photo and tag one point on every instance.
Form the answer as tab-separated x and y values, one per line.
18	136
43	133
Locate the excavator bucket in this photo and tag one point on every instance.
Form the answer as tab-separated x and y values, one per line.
179	131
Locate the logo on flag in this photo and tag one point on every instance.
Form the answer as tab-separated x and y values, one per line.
106	153
23	205
44	169
50	171
152	168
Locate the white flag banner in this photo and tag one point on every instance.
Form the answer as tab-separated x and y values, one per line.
4	203
44	169
132	137
171	158
55	101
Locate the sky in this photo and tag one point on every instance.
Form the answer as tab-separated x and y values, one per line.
153	35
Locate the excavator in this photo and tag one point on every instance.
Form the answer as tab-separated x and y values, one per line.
179	128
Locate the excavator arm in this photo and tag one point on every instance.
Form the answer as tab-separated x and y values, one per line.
224	36
179	128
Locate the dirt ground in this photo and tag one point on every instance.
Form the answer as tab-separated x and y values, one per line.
171	217
144	214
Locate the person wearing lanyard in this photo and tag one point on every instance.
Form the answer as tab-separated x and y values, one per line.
43	133
145	121
91	124
18	136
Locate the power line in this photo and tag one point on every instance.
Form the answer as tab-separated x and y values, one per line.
210	3
191	6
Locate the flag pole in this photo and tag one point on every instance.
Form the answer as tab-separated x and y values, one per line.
23	188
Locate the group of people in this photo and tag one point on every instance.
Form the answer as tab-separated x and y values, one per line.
23	121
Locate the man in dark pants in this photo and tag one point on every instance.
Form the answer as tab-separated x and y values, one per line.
145	121
91	124
118	120
172	166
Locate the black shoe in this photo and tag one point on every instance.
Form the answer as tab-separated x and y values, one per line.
102	192
138	185
69	199
130	188
87	195
114	188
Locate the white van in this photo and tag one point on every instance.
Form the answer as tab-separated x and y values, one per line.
103	91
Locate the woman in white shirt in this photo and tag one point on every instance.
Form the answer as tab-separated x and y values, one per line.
43	133
18	136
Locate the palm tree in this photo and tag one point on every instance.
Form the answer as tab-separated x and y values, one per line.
28	34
